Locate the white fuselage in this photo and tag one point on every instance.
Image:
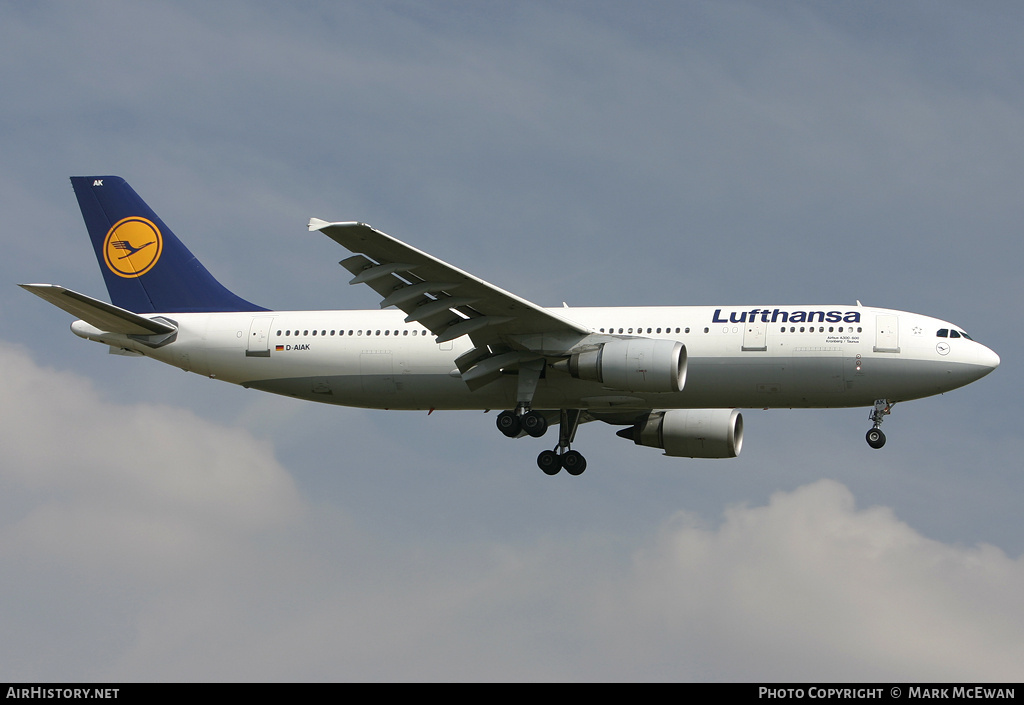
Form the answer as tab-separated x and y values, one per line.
747	357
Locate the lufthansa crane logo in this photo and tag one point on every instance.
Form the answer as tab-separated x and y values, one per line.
132	247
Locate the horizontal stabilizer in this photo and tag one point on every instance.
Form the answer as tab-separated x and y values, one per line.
104	316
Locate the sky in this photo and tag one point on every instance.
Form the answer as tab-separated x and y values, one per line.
159	526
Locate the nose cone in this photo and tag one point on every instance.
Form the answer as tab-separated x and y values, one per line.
988	359
968	362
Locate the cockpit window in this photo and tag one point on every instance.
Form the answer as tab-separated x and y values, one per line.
950	333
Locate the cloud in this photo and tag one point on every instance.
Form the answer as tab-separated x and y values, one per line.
105	504
809	587
146	543
61	434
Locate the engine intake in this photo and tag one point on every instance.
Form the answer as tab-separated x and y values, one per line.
632	365
690	433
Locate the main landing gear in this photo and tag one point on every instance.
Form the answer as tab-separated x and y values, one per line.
535	424
512	423
551	461
875	437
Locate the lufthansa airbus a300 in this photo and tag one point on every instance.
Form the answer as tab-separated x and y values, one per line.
672	377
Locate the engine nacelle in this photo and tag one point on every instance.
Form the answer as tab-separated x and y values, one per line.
690	433
633	365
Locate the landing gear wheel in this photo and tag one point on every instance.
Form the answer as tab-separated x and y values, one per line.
509	424
534	423
574	462
550	462
875	438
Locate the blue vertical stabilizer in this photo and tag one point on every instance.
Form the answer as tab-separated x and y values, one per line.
146	267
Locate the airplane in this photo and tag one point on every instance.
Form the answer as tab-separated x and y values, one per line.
673	377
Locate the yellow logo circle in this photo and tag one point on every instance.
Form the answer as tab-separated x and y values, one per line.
132	247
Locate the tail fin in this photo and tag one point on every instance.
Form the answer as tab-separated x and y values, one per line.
146	268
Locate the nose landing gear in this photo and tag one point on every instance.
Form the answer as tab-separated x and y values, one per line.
875	437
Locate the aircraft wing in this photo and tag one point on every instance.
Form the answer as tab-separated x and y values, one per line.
106	317
446	300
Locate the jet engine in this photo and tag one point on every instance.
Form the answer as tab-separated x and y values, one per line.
690	433
632	365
